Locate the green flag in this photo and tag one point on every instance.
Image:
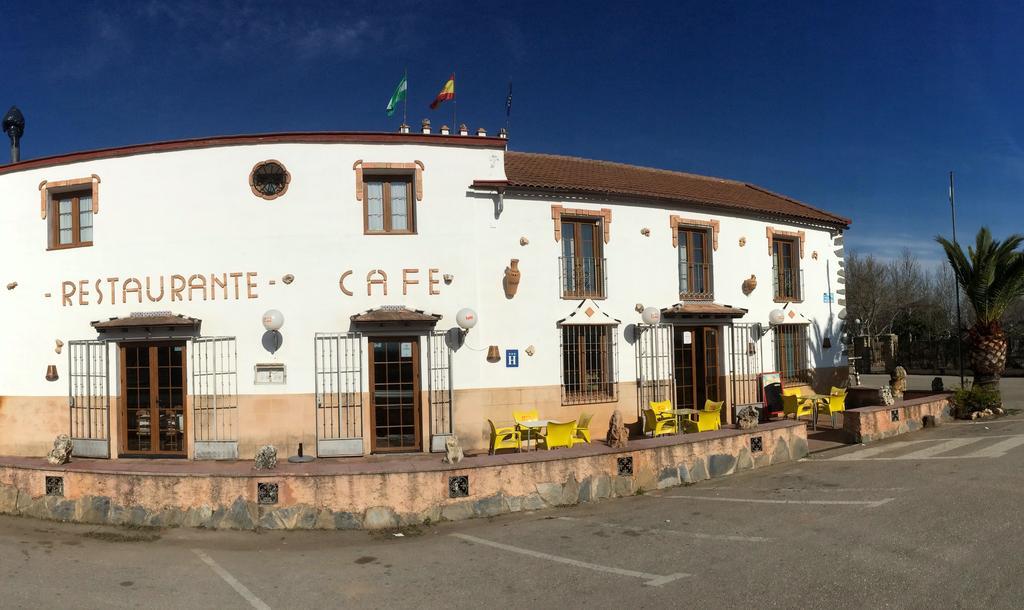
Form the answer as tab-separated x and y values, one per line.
398	95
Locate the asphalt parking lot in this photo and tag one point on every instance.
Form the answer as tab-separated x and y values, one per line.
926	520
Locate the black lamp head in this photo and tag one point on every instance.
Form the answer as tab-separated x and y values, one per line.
14	123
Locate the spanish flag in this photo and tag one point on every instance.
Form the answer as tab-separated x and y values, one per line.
447	92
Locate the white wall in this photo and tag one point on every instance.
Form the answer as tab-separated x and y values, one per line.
192	212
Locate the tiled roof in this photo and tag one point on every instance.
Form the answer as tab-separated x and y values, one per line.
163	319
586	176
394	314
703	309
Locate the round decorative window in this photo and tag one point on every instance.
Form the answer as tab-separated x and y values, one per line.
269	179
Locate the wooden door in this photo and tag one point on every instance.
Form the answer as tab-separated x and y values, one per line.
394	394
697	366
152	405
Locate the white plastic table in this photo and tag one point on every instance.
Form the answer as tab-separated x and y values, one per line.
533	424
679	413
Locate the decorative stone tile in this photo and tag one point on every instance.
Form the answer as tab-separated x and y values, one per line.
458	486
55	486
266	493
756	444
894	414
625	466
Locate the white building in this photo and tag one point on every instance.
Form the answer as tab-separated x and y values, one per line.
139	277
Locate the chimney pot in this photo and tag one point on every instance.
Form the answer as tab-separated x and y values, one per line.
463	130
503	133
480	131
444	130
426	126
403	128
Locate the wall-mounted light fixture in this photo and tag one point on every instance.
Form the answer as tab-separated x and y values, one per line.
651	315
466	319
273	320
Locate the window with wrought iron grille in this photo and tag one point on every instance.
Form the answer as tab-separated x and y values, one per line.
589	364
582	265
791	352
787	278
695	277
388	205
71	219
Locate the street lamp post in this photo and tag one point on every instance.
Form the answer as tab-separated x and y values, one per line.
956	286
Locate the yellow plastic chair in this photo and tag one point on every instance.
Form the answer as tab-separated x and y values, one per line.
658	423
504	438
836	404
519	416
707	419
837	391
559	434
794	403
582	434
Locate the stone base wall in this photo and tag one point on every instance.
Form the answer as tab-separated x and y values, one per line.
867	424
377	500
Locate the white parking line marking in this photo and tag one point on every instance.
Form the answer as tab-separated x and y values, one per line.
814	489
865	503
242	590
870	451
652	580
950	445
998	449
656	530
942	445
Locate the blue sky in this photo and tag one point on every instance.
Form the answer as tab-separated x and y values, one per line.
860	108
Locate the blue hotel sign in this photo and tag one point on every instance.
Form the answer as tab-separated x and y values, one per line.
511	358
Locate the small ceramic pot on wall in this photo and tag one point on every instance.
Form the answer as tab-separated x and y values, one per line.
512	277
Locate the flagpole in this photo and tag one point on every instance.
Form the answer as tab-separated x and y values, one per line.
405	107
455	105
508	109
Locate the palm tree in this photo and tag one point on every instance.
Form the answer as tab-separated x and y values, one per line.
991	276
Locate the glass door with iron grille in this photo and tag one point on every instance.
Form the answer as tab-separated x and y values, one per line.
395	394
152	404
697	369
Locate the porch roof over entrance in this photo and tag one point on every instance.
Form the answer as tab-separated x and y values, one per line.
157	319
702	310
394	313
394	318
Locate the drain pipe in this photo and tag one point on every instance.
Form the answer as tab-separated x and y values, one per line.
14	127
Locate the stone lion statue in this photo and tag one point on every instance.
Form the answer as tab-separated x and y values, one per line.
61	452
453	450
898	382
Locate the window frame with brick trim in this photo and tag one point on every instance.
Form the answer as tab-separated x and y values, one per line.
77	192
74	215
575	269
791	352
586	350
386	183
696	278
786	289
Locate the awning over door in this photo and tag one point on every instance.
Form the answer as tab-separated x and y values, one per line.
145	325
394	317
701	311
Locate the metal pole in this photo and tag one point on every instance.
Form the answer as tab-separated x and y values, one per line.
956	285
